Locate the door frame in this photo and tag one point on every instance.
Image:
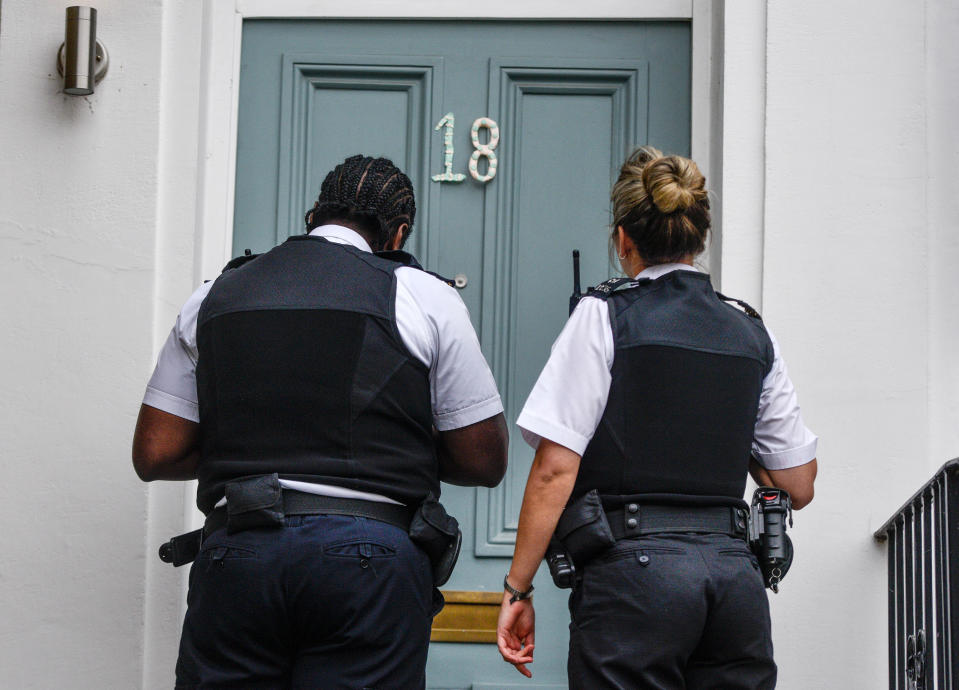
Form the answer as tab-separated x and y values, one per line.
712	23
728	89
221	56
728	118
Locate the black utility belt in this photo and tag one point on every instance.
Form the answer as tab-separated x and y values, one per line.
266	505
304	503
259	502
635	520
586	530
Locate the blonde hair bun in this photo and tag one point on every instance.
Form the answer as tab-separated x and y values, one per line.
674	183
662	204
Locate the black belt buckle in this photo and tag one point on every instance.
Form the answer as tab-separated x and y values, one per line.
182	549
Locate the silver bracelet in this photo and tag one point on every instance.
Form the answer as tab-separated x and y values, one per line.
516	594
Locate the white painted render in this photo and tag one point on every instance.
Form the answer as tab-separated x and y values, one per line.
834	133
860	245
78	233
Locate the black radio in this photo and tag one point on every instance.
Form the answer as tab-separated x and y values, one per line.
561	567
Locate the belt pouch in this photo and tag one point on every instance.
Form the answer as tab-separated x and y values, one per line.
254	502
438	534
182	549
584	529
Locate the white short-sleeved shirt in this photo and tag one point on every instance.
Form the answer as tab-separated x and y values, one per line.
432	321
569	398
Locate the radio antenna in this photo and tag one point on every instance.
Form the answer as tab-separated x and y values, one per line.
577	292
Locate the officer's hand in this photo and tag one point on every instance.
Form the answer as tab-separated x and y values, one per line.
514	633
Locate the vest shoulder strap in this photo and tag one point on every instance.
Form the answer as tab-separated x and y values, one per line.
750	312
407	259
238	261
397	256
605	289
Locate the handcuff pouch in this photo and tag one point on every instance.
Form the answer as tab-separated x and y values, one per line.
254	502
438	534
775	572
769	512
583	528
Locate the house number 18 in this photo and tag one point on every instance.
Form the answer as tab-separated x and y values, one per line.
479	150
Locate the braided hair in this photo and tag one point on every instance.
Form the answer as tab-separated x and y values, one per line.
370	193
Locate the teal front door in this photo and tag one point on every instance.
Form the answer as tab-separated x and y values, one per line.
512	133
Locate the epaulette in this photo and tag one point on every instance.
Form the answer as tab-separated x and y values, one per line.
745	307
400	257
448	281
607	288
407	259
240	260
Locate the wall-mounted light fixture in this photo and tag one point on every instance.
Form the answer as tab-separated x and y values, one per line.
82	60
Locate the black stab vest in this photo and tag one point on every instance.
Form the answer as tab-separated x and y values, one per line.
687	374
302	371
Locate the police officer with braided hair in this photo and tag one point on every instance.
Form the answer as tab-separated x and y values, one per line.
657	399
319	393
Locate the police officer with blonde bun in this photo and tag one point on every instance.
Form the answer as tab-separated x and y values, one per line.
319	393
658	398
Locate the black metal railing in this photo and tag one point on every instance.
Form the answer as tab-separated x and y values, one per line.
923	548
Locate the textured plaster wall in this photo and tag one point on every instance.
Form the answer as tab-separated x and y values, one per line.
78	197
860	232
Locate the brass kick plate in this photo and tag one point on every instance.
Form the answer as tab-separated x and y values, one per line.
467	617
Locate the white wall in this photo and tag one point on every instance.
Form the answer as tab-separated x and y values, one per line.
170	504
77	222
839	218
942	162
859	240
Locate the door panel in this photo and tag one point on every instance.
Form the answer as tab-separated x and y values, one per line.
571	99
329	103
570	123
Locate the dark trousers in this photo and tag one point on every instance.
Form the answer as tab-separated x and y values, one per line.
672	611
324	602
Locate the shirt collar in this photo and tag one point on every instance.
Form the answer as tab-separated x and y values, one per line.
341	235
654	272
